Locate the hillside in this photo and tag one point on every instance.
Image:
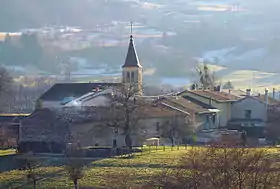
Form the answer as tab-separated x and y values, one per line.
37	13
238	35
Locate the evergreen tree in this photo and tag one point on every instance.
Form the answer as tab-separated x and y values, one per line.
32	51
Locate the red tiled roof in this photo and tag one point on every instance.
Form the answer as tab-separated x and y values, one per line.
215	95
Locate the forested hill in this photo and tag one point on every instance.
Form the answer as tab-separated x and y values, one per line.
18	14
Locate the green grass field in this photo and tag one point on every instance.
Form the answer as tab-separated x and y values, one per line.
118	171
99	173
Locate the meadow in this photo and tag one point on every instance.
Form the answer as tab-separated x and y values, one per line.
120	171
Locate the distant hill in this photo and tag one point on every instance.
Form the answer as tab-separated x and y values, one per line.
209	29
18	14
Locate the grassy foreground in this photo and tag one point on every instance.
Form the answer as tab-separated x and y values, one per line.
118	171
101	173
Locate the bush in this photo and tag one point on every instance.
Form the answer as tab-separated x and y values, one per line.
222	167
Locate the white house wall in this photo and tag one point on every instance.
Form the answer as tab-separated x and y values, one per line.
86	134
258	109
225	109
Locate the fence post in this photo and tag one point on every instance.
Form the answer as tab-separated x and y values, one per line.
178	147
149	149
164	148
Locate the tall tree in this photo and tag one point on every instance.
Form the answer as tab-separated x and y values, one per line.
8	51
127	109
207	79
32	51
6	82
76	164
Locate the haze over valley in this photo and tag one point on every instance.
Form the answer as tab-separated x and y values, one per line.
239	38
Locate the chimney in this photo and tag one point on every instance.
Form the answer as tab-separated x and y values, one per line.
273	93
248	92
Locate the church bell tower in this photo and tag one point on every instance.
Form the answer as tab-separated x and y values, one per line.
132	69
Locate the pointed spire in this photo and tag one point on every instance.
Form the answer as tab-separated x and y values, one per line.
131	57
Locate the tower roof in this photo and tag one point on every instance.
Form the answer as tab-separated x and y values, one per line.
131	57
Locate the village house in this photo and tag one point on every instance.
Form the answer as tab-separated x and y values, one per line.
239	110
92	126
203	115
218	99
249	114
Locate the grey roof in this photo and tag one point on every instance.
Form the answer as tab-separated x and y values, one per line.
131	57
61	91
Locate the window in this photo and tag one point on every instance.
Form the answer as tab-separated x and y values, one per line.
132	77
128	76
248	114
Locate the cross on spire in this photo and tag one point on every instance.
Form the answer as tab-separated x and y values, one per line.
131	57
131	27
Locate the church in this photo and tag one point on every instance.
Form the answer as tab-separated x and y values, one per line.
62	94
76	111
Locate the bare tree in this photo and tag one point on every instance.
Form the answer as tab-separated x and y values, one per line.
126	111
76	164
32	172
207	79
178	127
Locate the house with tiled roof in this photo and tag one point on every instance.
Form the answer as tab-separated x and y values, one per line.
218	99
239	110
43	131
203	115
52	129
250	114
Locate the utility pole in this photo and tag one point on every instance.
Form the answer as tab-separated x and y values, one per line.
253	82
